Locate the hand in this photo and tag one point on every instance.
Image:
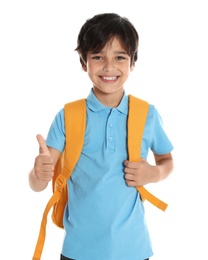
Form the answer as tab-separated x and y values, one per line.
44	167
138	173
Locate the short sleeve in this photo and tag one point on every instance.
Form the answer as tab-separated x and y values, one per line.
155	137
56	135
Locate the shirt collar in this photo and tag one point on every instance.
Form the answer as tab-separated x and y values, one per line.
95	105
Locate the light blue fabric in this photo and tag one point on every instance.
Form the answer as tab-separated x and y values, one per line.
104	218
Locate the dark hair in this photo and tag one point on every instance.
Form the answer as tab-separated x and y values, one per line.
102	28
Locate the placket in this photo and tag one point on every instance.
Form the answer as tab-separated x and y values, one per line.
110	129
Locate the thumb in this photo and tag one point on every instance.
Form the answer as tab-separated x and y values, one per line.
42	145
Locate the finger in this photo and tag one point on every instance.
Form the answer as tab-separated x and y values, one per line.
45	176
129	177
42	145
130	183
131	165
126	162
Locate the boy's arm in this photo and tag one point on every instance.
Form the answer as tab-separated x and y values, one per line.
141	173
164	166
42	172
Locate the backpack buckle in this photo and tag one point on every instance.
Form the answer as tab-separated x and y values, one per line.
60	183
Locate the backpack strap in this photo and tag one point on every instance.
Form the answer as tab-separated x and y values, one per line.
74	137
138	110
76	116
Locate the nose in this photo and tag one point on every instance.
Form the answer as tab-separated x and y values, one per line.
108	66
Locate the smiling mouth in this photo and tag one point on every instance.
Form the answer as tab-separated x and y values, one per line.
109	78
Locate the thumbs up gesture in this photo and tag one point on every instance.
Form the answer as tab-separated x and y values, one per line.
43	167
42	144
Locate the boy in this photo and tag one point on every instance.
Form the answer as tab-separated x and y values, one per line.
104	218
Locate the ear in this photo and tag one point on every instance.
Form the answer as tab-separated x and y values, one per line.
132	66
84	67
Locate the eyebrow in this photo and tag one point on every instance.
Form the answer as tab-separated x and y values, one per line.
115	52
121	52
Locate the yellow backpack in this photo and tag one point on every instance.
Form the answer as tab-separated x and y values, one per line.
75	122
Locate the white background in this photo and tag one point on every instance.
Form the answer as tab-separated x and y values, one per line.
40	71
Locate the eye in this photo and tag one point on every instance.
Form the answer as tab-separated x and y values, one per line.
97	57
120	58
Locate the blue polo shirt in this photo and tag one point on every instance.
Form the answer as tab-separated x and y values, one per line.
104	218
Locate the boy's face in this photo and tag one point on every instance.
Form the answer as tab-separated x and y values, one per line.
109	69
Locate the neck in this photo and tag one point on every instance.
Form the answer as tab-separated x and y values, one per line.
109	99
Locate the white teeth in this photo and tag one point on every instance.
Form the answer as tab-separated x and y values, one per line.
109	78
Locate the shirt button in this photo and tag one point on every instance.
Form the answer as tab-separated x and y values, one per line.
110	125
110	139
